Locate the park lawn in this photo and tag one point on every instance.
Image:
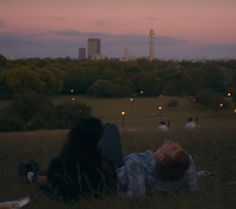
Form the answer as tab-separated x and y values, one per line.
212	145
213	149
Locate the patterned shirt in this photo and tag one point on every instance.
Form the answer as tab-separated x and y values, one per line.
139	176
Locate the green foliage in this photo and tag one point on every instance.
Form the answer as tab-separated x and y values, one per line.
31	112
173	103
10	122
105	88
67	113
22	80
27	105
3	62
171	78
209	99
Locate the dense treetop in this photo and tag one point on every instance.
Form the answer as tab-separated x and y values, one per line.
113	78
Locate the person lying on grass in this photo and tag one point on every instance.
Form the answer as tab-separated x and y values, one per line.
168	169
80	170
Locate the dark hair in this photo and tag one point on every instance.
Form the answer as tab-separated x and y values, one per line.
190	119
83	140
162	122
170	169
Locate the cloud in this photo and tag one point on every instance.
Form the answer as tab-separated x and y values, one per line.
227	47
100	23
151	18
117	39
62	43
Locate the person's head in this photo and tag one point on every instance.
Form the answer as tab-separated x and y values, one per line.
190	119
162	122
84	138
171	161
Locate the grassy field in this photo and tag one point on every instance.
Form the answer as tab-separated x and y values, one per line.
212	145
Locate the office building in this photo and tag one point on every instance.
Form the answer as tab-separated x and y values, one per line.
93	48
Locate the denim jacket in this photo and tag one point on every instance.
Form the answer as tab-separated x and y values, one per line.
139	176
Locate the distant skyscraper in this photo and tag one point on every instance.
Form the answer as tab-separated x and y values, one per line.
126	54
151	45
94	47
82	53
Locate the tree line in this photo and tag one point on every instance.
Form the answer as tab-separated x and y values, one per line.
114	78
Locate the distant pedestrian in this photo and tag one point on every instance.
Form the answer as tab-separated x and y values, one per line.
163	127
190	125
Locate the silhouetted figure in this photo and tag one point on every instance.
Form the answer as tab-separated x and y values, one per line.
80	170
190	125
163	127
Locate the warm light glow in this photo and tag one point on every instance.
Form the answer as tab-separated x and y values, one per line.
123	113
72	91
73	99
234	110
229	94
141	92
159	107
131	99
221	105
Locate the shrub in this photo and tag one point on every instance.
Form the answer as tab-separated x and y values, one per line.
31	112
105	88
27	105
69	112
173	103
11	123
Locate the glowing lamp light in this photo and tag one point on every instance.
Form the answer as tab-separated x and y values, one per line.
131	99
229	94
72	91
141	92
221	105
123	113
73	99
234	110
160	108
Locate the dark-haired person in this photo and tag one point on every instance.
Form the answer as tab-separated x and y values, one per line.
190	125
169	169
80	170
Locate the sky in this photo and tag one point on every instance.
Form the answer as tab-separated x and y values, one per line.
184	29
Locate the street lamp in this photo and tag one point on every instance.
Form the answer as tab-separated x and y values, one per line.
123	113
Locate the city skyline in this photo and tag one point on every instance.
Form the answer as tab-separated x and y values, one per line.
185	29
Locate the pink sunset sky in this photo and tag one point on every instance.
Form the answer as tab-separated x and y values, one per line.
185	29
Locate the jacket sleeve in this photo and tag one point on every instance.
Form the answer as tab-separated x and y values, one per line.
190	177
135	177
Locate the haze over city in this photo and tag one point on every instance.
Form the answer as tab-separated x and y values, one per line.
185	29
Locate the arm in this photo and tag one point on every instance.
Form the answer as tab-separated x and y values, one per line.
135	175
